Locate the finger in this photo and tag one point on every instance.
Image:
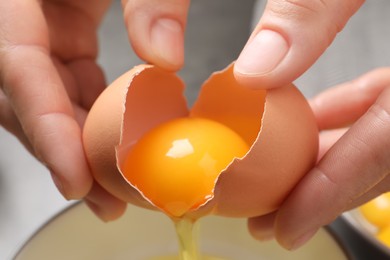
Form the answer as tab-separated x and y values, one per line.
84	81
8	118
11	123
289	38
90	81
72	88
77	18
262	228
103	204
328	139
38	98
345	103
156	30
380	188
351	168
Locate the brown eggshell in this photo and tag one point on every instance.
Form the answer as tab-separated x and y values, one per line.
282	128
136	102
278	125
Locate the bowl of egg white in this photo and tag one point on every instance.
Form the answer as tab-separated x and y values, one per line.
143	234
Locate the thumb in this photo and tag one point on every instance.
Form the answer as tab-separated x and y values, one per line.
289	38
156	30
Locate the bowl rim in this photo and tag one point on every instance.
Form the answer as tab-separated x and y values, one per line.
24	243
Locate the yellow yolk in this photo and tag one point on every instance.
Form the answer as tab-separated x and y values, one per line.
384	235
377	211
176	165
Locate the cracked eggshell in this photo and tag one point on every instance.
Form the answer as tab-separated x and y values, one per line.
137	101
281	127
278	124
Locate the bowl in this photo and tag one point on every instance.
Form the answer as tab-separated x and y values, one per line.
358	223
142	234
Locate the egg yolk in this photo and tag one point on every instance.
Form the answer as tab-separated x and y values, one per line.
377	211
384	236
175	165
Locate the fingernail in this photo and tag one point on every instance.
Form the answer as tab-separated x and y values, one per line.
262	54
300	241
58	184
167	40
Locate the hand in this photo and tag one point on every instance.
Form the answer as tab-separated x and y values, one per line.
354	160
288	39
49	80
156	30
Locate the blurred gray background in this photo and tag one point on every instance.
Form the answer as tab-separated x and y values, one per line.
217	31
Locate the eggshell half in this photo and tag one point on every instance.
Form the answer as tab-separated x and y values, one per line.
133	104
285	150
278	125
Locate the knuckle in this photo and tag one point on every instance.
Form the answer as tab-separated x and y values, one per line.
381	113
330	16
378	145
295	7
334	184
311	5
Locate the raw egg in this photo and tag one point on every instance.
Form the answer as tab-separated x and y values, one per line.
176	165
237	152
384	235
